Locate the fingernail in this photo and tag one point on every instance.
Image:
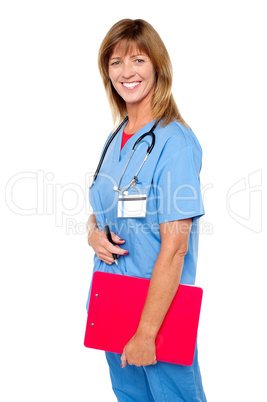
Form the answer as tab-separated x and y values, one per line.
126	253
122	240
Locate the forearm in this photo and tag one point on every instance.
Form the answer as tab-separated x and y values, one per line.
91	226
163	287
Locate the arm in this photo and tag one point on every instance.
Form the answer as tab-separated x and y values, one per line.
140	350
91	227
97	239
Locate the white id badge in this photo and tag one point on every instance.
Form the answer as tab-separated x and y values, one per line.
132	206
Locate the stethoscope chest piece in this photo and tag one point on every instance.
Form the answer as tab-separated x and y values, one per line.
132	183
124	192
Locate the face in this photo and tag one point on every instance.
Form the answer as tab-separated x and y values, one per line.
132	75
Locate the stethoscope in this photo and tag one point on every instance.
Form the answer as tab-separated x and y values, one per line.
135	178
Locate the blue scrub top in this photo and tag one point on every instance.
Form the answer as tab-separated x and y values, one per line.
169	178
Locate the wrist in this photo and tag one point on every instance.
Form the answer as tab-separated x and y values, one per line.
147	331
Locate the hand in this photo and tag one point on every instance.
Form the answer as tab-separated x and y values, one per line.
97	239
139	351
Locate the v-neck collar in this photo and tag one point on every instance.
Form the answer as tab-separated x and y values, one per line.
119	154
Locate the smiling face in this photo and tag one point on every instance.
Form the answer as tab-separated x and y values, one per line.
132	75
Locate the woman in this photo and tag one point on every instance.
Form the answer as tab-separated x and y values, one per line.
159	240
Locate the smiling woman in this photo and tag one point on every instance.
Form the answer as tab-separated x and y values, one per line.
138	38
158	218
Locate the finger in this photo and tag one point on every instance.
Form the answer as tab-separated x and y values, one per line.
123	360
105	256
106	259
116	238
112	249
116	245
125	252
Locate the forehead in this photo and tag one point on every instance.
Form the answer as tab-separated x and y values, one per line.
125	47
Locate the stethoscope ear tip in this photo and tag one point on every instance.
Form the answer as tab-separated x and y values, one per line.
115	188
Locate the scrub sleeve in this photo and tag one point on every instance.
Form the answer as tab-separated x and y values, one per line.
175	195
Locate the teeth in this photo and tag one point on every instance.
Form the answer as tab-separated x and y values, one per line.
130	84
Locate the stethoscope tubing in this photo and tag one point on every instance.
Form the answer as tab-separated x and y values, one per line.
106	148
149	150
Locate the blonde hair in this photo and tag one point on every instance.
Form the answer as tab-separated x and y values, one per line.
141	34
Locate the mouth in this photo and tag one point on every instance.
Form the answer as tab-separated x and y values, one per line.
131	85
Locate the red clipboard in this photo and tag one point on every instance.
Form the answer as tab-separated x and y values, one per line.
115	308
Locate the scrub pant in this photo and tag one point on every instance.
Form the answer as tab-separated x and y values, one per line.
162	382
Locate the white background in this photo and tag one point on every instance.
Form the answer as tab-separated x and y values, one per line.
54	121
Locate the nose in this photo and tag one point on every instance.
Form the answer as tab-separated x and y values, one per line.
128	70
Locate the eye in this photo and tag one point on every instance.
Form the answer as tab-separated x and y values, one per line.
139	61
115	63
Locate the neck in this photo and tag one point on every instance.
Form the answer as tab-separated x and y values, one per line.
138	117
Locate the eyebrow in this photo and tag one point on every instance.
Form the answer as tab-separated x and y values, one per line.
134	55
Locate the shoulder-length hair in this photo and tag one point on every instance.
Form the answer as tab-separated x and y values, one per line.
139	33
